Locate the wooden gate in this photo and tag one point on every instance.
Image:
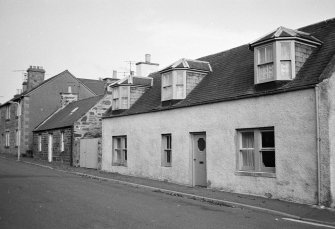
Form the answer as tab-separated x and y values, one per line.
89	153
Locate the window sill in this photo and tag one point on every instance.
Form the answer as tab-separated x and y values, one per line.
119	164
255	174
169	166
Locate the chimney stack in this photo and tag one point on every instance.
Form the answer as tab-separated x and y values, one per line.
114	74
147	58
68	97
145	68
35	76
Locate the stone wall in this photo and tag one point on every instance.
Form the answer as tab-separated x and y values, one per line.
302	52
89	125
8	126
57	155
192	80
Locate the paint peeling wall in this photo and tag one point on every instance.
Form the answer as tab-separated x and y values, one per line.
89	125
292	114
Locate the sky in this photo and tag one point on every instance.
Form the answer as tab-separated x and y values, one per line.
91	38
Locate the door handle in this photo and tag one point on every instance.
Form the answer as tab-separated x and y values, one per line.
194	159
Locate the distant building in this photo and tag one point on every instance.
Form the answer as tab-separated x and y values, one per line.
256	119
39	99
58	137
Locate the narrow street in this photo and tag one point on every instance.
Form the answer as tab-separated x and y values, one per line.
35	197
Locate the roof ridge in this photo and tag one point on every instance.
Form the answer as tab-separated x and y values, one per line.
317	23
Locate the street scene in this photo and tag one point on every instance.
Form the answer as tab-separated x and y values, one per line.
167	114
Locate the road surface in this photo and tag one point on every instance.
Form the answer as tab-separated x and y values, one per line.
35	197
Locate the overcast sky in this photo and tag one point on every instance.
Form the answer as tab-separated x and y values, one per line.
91	38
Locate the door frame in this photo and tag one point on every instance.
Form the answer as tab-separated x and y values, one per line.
192	134
50	147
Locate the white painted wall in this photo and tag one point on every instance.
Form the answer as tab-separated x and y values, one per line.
292	114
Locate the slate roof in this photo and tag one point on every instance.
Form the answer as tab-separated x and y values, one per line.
68	115
233	75
93	85
97	86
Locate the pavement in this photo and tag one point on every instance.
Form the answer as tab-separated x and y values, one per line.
290	211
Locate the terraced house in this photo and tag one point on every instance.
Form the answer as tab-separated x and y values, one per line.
256	119
39	99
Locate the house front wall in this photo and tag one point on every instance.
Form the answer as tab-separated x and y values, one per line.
58	154
292	115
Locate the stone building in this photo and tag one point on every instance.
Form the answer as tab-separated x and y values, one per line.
256	119
39	99
57	137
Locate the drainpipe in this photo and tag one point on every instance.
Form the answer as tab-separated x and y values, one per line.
317	97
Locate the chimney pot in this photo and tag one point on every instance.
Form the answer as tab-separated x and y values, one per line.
114	74
147	58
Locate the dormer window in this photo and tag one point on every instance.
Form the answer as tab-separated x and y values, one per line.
265	63
120	97
280	54
180	78
173	85
285	59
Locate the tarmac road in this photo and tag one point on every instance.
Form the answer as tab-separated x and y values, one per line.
35	197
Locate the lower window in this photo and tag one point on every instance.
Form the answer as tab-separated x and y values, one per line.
120	150
257	150
166	150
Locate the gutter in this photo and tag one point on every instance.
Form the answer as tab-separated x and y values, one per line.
317	97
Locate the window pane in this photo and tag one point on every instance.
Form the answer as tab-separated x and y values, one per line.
168	156
118	143
168	92
285	69
269	54
247	159
180	78
124	91
115	92
268	158
248	140
115	104
261	55
124	103
268	139
167	79
265	72
179	92
125	155
285	50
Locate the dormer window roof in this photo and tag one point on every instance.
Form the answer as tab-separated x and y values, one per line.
179	78
280	54
188	64
283	33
